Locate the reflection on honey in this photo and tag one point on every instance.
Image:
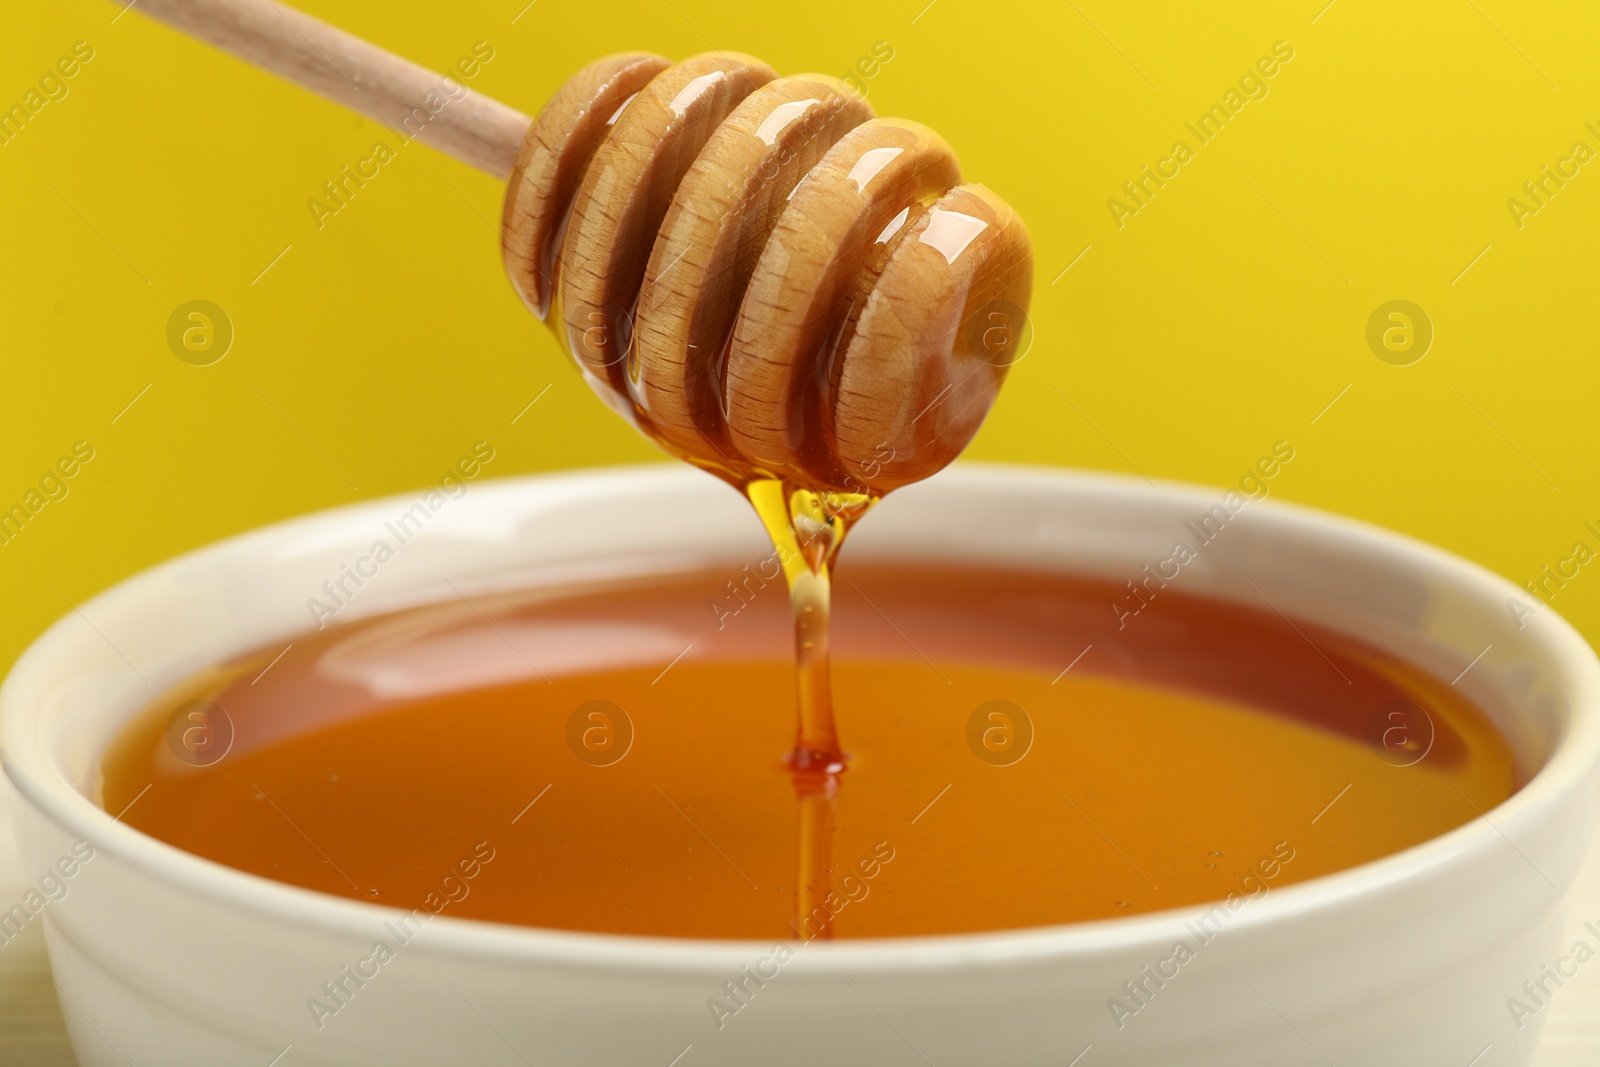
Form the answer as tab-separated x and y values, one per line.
1015	760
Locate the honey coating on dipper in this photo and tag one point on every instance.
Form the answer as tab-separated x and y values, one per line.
551	163
816	269
761	276
716	230
630	184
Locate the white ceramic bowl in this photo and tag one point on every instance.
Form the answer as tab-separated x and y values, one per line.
167	959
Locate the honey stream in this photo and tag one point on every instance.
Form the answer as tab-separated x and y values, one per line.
807	531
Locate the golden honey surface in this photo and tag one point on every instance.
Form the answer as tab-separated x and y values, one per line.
616	749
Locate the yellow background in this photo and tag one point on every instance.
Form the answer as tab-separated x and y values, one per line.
1224	316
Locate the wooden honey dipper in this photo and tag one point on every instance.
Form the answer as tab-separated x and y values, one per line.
766	279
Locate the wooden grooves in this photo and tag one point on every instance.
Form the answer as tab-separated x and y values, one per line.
761	275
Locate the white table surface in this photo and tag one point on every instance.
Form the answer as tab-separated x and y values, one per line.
32	1032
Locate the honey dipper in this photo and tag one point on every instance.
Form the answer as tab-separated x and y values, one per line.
762	276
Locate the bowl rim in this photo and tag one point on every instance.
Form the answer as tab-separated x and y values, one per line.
1551	788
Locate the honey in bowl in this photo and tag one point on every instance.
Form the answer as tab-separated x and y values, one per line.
609	757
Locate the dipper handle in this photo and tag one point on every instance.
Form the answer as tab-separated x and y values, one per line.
363	77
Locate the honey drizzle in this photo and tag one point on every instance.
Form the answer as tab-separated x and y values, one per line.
807	529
